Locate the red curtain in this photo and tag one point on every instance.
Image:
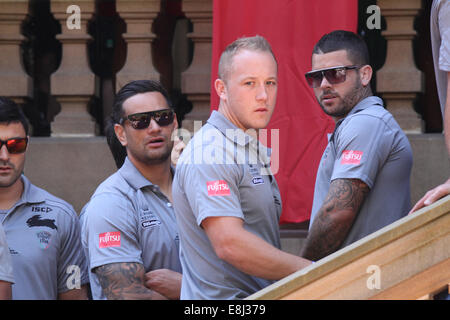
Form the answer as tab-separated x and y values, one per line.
292	27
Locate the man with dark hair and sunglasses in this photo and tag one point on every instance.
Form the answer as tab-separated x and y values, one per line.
227	201
129	231
42	231
363	179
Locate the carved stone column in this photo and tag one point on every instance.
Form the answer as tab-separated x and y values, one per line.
139	16
14	82
399	80
73	83
196	80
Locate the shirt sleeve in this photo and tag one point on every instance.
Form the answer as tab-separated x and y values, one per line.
444	29
111	231
212	189
6	271
72	265
362	146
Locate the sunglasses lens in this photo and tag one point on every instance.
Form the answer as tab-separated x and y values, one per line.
314	79
16	145
335	76
142	120
164	118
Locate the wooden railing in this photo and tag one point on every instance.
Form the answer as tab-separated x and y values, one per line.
408	259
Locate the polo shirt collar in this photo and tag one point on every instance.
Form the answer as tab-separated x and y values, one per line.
363	104
133	177
31	194
221	123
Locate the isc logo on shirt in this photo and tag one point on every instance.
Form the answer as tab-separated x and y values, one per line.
109	239
351	157
217	188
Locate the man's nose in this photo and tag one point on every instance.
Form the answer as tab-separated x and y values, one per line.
4	154
262	93
154	126
324	83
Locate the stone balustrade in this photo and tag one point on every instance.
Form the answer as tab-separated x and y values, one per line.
138	16
196	80
15	83
399	81
73	83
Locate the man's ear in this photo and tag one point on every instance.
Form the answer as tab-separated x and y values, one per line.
175	121
220	87
120	134
366	74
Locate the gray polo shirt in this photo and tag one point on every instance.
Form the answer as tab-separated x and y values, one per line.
220	173
43	236
440	43
129	219
6	271
368	145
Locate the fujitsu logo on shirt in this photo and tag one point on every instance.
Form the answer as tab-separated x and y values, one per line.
351	157
217	188
109	239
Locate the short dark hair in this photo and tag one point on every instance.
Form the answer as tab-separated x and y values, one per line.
355	46
133	88
11	112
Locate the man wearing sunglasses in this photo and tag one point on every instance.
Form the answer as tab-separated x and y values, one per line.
362	182
42	231
129	231
228	206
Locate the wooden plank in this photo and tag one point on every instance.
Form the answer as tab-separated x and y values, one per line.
396	261
399	251
423	285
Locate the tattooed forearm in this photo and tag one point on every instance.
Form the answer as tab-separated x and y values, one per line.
123	281
335	217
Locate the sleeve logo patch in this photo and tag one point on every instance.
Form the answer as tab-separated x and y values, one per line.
351	157
217	188
109	239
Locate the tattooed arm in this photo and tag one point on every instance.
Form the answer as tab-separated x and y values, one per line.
335	218
123	281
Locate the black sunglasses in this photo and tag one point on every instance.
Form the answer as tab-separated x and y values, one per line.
333	75
15	145
142	120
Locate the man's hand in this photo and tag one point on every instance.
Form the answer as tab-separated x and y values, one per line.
74	294
5	290
178	147
125	281
432	196
165	282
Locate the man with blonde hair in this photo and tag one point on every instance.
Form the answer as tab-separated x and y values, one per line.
227	201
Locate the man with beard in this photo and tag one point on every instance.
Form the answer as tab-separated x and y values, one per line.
129	230
42	230
362	182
